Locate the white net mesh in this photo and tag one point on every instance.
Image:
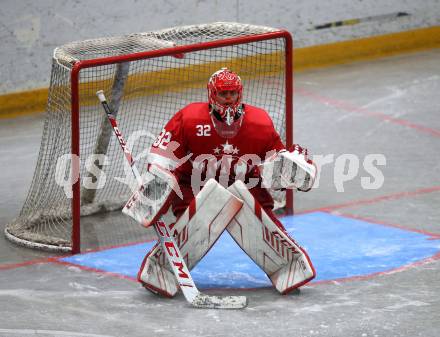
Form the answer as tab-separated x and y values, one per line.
145	93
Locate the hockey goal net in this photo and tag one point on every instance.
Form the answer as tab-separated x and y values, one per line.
147	78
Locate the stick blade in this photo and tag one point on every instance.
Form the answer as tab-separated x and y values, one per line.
219	302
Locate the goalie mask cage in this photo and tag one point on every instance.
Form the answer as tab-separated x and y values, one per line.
147	77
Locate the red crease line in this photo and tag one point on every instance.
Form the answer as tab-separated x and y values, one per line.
95	270
386	272
29	263
393	196
432	236
351	108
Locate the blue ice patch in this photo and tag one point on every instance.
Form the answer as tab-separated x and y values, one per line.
338	246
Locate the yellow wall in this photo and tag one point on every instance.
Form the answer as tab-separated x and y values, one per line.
22	103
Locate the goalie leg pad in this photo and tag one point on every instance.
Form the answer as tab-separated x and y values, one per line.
264	239
154	277
199	227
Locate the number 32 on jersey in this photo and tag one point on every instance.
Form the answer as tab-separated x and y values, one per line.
163	140
203	130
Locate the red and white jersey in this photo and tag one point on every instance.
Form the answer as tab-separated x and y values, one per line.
191	148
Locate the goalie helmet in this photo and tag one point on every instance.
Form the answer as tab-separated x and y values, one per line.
226	109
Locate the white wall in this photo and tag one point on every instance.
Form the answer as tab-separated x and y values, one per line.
31	29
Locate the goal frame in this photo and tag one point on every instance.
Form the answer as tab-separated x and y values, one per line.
75	107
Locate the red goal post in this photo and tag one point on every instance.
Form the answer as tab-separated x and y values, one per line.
163	71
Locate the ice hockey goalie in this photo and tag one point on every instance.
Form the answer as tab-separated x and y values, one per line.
220	157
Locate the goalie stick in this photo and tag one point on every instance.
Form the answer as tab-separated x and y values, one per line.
169	246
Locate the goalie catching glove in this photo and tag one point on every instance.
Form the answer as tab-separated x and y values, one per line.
289	169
